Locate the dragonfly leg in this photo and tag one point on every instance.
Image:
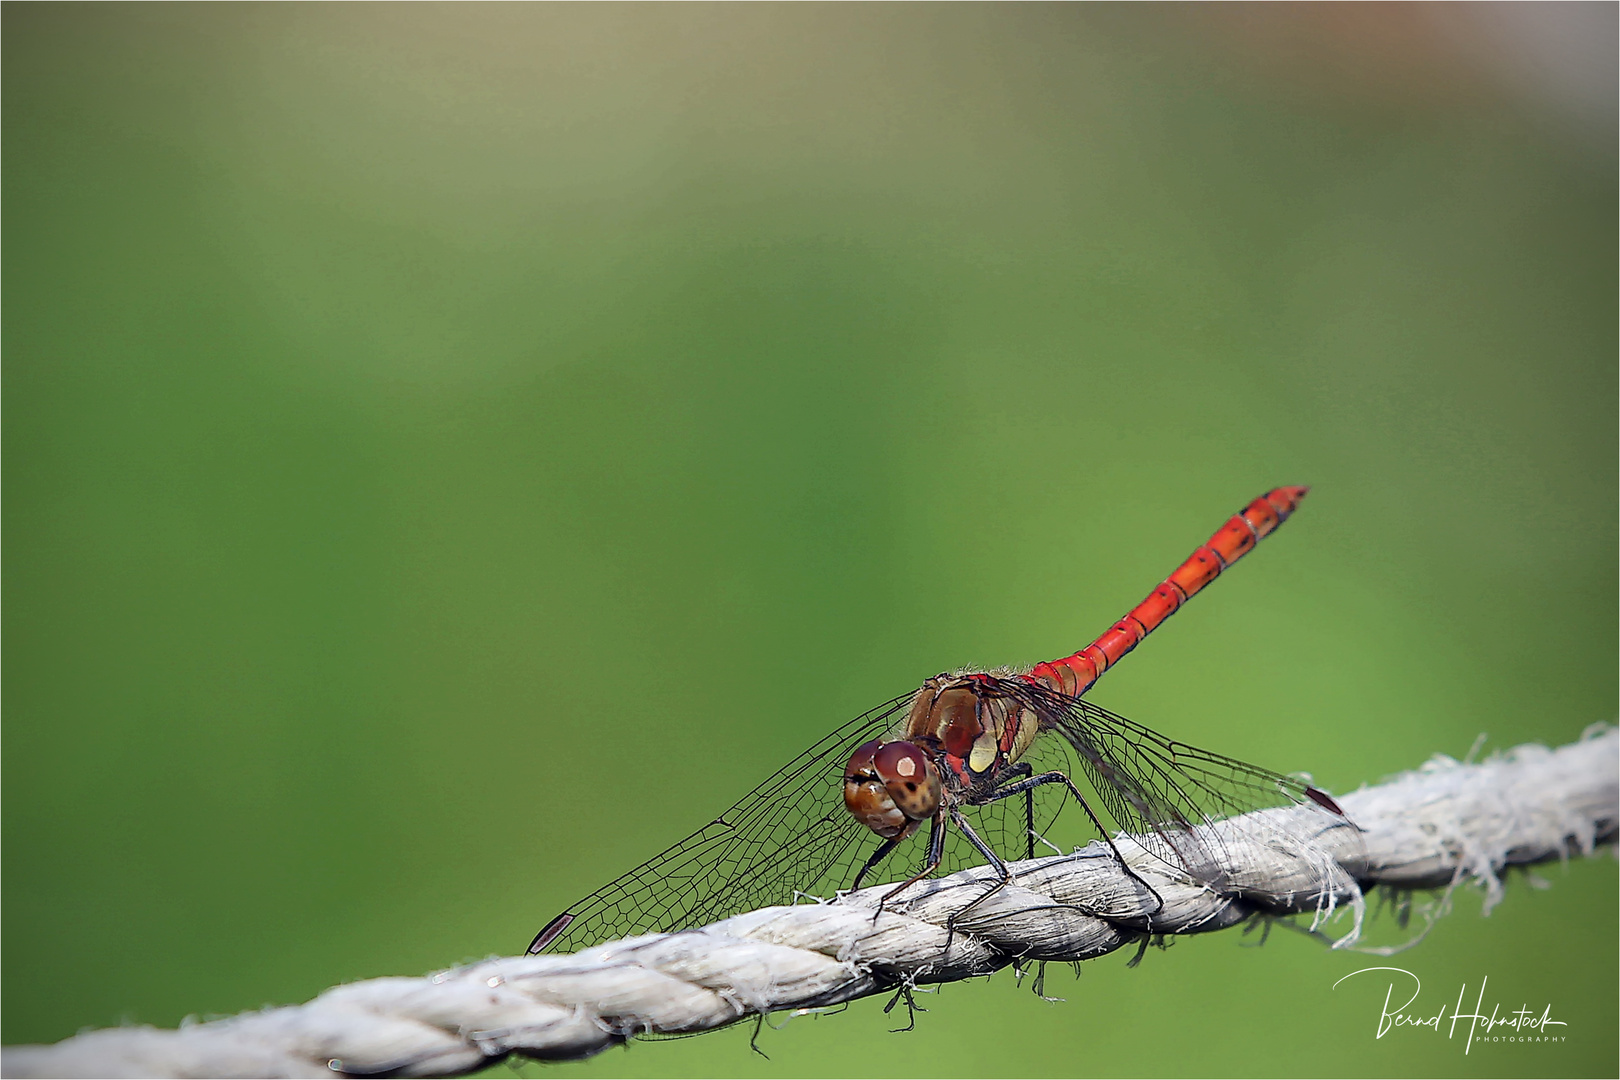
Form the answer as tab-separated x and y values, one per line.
912	1008
1015	772
877	856
1025	787
936	855
1029	823
989	853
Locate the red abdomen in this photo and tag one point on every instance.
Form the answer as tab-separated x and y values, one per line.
1074	674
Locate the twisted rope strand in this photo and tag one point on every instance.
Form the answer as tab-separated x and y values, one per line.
1445	822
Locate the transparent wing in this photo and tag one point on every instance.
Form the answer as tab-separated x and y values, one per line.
1170	796
791	835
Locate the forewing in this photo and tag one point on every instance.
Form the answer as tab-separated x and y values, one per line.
790	836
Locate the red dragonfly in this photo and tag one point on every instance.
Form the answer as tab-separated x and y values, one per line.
969	741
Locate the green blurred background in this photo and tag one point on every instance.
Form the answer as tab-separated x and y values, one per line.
423	424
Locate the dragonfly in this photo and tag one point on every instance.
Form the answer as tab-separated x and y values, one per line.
986	758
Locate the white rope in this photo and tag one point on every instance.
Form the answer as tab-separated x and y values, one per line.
1446	822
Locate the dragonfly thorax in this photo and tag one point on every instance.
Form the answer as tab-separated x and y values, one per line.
982	720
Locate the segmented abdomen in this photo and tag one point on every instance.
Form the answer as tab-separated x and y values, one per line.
1075	674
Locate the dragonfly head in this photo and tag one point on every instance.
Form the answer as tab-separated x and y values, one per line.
891	787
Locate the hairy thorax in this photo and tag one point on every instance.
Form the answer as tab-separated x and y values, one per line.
980	719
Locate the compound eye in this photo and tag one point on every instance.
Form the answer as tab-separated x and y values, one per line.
910	777
867	798
860	762
899	762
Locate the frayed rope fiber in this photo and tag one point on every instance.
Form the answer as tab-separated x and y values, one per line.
1445	823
